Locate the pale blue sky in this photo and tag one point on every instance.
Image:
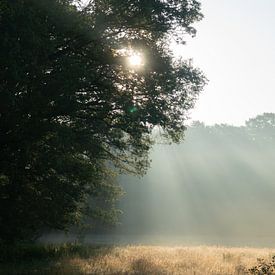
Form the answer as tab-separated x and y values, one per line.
235	47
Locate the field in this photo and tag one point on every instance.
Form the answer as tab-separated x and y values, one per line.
77	259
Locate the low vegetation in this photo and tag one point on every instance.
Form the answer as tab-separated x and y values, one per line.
78	259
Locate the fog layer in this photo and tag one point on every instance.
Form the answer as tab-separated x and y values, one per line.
218	185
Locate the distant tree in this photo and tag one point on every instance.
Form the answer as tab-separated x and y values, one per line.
262	127
263	121
73	111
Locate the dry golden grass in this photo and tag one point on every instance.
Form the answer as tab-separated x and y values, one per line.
170	260
81	259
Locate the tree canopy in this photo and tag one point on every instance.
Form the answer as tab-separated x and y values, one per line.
73	110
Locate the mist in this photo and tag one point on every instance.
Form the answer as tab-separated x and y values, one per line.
216	187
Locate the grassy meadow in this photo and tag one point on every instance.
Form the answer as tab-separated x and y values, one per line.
78	259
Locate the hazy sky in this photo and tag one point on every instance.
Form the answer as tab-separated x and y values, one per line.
235	47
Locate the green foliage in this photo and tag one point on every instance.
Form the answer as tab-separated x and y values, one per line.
72	113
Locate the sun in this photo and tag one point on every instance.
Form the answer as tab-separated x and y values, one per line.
135	60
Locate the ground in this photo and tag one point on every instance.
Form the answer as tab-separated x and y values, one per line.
77	259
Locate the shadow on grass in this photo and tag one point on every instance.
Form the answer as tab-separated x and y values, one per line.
144	266
47	259
39	267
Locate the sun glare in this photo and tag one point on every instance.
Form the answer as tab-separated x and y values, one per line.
135	60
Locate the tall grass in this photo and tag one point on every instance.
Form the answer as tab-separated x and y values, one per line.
79	259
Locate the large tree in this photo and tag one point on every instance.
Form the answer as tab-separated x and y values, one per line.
72	108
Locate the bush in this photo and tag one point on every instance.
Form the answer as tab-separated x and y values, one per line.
263	267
